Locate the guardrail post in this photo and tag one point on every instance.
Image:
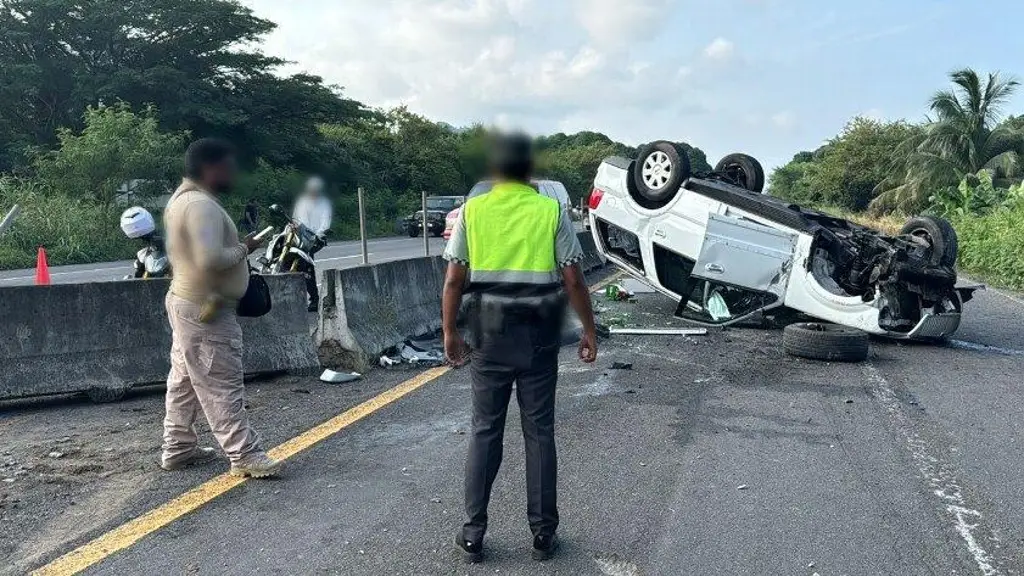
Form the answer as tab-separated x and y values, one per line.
362	227
426	233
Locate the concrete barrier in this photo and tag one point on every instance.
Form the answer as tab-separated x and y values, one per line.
368	309
592	259
104	338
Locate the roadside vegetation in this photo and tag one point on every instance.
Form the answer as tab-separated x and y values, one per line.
965	162
106	102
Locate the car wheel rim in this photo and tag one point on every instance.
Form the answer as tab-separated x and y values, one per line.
657	170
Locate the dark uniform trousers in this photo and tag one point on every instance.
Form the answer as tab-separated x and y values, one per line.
524	356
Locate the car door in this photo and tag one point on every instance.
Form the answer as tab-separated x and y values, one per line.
743	268
745	254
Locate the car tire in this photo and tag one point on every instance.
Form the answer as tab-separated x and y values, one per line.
743	169
939	234
829	342
660	169
413	233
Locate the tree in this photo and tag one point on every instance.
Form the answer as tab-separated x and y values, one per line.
194	61
965	138
851	166
117	148
793	182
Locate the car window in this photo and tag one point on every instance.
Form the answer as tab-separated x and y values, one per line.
480	188
560	193
545	189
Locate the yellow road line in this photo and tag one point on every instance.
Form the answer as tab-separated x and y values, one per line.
132	531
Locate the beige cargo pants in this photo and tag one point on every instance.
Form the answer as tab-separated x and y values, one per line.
206	373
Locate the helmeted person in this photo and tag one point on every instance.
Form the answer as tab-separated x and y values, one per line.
513	258
211	275
314	211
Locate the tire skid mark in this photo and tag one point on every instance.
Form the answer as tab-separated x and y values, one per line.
967	521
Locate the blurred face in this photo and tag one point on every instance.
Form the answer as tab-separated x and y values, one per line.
220	177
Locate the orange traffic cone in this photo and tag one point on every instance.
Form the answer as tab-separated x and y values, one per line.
42	270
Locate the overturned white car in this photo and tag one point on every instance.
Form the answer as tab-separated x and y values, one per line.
727	252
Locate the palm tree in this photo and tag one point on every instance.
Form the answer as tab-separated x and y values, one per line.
965	137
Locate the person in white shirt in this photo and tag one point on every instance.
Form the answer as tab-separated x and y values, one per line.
314	211
313	208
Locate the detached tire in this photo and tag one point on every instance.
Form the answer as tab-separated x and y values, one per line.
829	342
939	234
660	169
744	170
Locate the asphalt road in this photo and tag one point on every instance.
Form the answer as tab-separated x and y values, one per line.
714	455
335	255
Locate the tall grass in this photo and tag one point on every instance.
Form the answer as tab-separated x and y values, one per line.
79	231
72	230
992	246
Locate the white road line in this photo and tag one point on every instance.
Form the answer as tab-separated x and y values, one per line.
964	345
320	261
122	267
1009	297
966	521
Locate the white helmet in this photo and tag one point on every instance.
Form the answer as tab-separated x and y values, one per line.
137	222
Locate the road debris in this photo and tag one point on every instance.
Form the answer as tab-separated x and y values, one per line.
616	293
55	454
742	487
634	286
661	331
621	366
332	377
300	391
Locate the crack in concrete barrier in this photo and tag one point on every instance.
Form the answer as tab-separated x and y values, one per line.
966	521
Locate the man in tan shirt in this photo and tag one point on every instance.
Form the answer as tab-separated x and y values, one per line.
210	275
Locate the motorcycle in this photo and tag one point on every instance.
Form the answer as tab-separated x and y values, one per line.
292	249
150	262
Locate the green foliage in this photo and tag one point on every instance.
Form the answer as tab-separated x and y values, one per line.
845	171
976	194
195	61
116	147
966	137
193	69
794	182
72	228
991	245
855	162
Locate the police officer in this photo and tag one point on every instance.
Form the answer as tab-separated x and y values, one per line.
511	253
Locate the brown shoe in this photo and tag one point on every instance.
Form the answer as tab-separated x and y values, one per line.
257	465
199	455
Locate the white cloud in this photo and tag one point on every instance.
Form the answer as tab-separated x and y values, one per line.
720	49
621	67
620	23
784	119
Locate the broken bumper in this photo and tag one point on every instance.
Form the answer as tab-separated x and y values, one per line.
934	327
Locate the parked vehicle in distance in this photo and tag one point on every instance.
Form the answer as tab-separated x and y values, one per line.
549	188
437	208
725	251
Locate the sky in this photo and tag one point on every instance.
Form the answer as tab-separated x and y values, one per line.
765	77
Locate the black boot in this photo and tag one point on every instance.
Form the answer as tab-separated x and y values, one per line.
544	547
472	552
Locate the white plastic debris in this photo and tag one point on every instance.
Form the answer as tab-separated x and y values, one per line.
333	377
412	355
661	331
